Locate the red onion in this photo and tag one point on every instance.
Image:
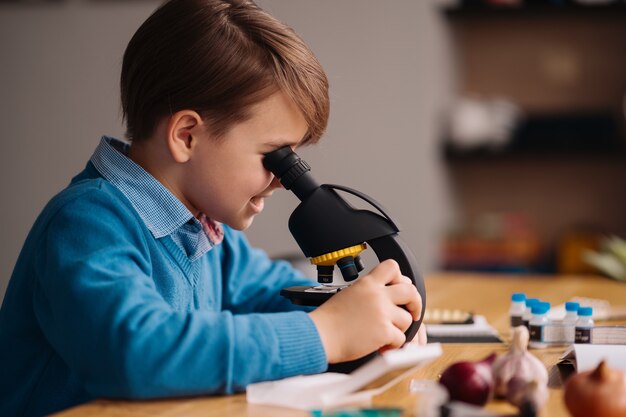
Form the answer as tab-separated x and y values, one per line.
470	382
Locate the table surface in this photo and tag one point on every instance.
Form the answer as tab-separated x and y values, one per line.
484	294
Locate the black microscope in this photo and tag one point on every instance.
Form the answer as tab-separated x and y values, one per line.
332	232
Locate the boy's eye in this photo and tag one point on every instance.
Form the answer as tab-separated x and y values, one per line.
278	147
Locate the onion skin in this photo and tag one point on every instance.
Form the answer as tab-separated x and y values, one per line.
597	393
470	382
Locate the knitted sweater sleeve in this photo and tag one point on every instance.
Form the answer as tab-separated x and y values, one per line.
252	281
98	308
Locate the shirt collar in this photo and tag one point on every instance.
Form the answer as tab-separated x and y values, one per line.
159	209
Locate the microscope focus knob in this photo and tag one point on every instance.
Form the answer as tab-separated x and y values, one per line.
332	258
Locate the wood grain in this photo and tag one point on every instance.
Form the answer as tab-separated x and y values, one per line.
488	295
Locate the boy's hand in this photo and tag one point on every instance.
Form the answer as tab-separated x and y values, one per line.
369	315
420	338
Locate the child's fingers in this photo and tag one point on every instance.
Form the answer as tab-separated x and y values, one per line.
397	339
387	272
422	338
406	295
401	318
401	294
400	279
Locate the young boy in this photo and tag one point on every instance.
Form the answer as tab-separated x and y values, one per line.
136	280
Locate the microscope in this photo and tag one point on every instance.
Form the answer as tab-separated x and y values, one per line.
332	233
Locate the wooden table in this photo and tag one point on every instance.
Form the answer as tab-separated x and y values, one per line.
488	295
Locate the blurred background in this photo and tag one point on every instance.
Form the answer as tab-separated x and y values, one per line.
493	131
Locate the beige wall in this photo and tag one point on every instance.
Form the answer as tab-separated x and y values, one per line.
389	73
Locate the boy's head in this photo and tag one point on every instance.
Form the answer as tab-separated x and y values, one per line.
198	70
218	58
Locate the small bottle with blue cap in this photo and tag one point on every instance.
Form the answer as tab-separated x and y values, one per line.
584	325
537	324
528	313
571	312
517	309
569	321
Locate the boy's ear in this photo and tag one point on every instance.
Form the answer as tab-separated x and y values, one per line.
183	132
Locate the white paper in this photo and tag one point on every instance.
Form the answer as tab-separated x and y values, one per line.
587	356
334	389
480	327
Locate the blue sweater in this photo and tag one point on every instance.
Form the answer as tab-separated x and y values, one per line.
98	307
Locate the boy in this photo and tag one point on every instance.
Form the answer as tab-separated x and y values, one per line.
136	280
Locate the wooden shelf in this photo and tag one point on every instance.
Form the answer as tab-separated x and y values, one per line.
486	154
591	135
474	9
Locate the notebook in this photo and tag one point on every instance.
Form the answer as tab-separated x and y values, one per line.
608	335
583	357
477	331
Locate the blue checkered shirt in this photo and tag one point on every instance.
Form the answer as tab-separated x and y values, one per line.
162	213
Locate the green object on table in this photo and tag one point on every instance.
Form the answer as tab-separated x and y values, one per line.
360	412
610	259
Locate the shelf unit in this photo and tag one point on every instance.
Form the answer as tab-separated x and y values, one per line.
562	65
480	9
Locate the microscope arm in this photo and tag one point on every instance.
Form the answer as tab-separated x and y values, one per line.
366	198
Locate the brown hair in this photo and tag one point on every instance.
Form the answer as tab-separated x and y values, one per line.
217	57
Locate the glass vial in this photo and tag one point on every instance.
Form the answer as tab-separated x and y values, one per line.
528	313
569	322
584	325
517	309
537	324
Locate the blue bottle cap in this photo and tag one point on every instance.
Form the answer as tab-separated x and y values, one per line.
585	311
531	301
572	306
540	308
518	296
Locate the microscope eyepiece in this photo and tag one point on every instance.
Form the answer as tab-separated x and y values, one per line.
280	160
291	170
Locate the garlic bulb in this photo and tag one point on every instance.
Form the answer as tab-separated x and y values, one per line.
526	394
518	363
